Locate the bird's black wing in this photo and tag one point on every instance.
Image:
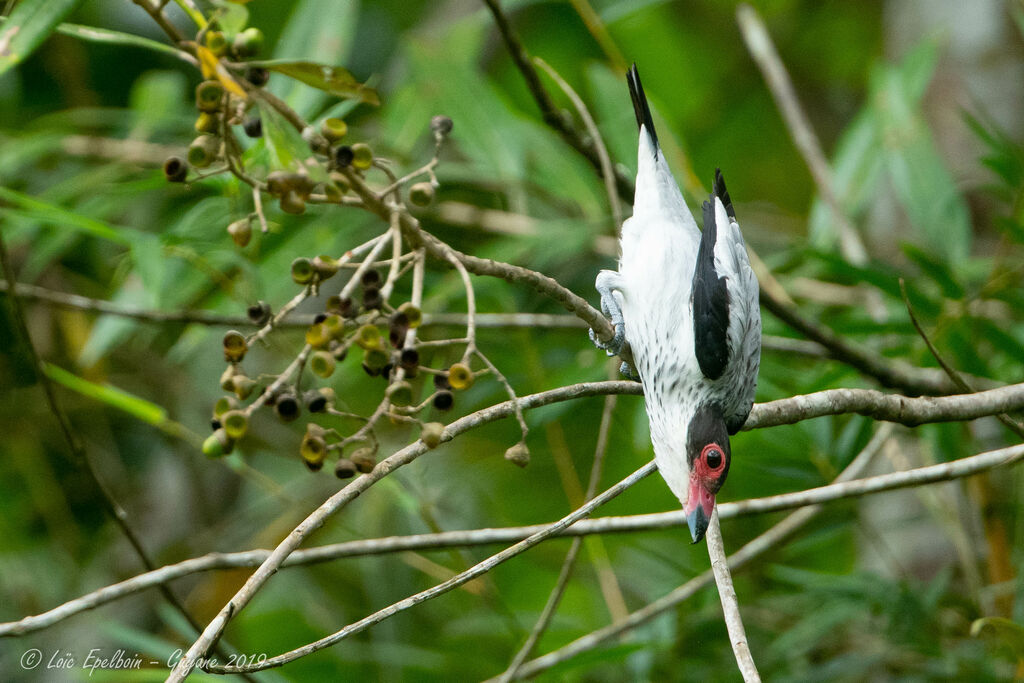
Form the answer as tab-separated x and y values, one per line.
710	295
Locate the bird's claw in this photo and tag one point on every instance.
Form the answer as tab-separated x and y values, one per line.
613	346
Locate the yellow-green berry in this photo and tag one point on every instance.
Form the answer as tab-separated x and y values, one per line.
248	43
322	363
207	123
303	271
313	450
209	96
236	423
333	129
223	405
400	393
203	151
362	156
235	346
375	358
218	444
460	377
368	337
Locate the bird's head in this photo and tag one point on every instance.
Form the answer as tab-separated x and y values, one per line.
708	456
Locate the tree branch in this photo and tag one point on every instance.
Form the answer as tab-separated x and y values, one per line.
730	603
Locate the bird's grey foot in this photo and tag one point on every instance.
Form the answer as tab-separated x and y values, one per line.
627	371
607	284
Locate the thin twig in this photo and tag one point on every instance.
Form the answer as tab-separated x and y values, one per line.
730	604
554	117
607	170
457	580
769	540
954	375
356	487
479	266
570	557
75	445
759	43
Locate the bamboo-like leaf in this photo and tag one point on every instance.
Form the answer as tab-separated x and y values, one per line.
31	22
139	408
335	80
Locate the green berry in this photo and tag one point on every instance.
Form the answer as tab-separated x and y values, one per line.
218	444
362	156
203	151
400	394
333	129
248	43
303	271
209	96
322	364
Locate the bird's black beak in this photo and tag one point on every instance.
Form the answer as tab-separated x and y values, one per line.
698	522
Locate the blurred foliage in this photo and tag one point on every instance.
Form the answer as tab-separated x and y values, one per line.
885	588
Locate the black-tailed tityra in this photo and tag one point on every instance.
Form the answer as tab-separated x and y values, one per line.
684	303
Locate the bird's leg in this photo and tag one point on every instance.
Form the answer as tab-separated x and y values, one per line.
608	284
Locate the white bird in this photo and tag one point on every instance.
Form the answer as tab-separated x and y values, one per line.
685	304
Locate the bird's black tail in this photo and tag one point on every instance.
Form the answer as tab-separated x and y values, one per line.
640	106
718	188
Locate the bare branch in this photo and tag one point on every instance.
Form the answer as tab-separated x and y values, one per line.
570	557
888	407
730	603
769	540
456	581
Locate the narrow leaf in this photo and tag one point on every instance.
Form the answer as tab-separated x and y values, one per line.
31	22
142	409
335	80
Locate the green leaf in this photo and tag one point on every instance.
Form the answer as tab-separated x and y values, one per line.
335	80
231	16
139	408
1010	633
31	22
308	36
56	215
104	393
93	34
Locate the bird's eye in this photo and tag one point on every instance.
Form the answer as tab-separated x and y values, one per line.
714	458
